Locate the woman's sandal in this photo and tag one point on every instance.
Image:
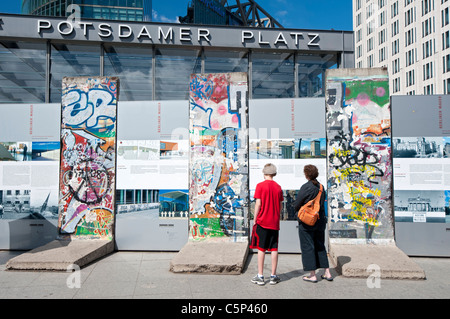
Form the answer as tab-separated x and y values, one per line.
327	278
306	278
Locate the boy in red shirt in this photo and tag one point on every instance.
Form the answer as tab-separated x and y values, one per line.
269	197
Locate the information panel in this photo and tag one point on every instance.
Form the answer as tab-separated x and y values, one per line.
421	157
295	137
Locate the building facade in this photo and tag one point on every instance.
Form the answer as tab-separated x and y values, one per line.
409	37
124	10
154	61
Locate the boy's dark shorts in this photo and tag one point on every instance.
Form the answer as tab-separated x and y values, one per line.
264	239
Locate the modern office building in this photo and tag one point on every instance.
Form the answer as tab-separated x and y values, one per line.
124	10
409	37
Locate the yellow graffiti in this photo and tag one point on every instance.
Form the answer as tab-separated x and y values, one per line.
362	189
342	153
341	174
358	207
363	200
364	218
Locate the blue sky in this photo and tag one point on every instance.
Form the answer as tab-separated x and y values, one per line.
296	14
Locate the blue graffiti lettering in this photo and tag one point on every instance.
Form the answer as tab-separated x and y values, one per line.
87	108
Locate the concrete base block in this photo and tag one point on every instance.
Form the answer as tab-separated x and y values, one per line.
211	257
362	261
60	254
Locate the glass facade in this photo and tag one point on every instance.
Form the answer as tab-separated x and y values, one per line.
125	10
273	75
68	60
153	73
22	72
311	73
173	68
134	67
225	61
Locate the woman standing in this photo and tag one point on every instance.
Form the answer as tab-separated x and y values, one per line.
312	238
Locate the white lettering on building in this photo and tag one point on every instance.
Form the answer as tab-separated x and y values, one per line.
103	27
178	34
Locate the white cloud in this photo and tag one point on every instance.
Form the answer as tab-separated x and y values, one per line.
162	18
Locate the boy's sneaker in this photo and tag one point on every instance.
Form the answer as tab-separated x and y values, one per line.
258	280
274	280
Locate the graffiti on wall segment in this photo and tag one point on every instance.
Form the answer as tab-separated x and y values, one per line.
218	185
88	153
359	155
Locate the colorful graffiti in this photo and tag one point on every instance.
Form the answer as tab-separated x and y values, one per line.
88	152
218	186
359	155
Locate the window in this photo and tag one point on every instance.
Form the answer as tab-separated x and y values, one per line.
370	61
409	17
426	6
395	47
395	66
409	37
359	51
311	84
369	11
394	9
446	40
358	35
382	36
395	28
134	67
225	61
382	55
427	27
369	44
370	27
410	57
396	85
446	63
273	75
22	72
445	17
173	70
410	80
382	18
358	19
427	48
428	71
72	60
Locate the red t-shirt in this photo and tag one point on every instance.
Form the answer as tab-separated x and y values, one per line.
270	194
